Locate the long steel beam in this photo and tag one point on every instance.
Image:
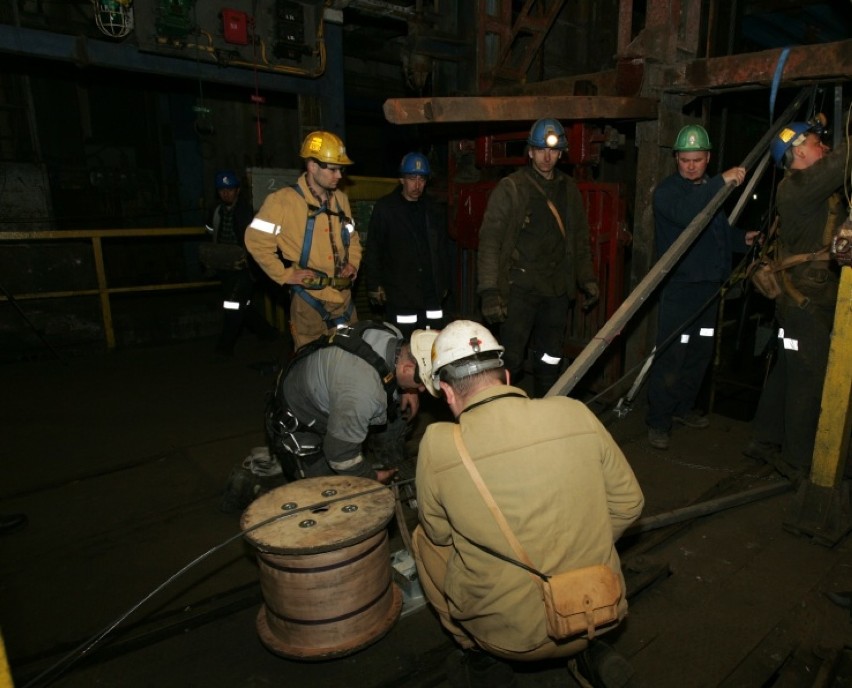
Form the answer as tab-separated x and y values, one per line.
805	63
516	108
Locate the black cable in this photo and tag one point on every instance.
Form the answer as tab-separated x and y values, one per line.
62	665
666	342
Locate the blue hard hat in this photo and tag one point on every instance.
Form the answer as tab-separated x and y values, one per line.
547	133
227	179
791	135
415	163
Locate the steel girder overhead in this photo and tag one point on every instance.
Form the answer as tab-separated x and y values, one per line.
805	64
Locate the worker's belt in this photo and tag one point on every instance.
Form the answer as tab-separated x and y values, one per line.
320	281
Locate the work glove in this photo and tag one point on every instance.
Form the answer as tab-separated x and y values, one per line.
377	298
592	293
494	309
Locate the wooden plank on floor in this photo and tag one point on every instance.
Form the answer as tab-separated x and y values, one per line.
734	577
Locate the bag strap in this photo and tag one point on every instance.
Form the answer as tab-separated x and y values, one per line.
799	258
495	510
549	204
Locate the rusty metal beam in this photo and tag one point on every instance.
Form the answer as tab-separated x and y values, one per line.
520	108
805	63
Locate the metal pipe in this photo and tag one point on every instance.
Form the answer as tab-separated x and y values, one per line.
687	513
613	327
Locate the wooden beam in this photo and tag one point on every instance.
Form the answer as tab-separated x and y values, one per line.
520	108
835	416
805	63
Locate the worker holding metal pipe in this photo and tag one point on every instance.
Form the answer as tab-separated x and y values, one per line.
687	310
811	210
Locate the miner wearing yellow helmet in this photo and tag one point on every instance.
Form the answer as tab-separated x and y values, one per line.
304	236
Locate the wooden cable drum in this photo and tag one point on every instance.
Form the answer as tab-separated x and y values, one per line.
325	572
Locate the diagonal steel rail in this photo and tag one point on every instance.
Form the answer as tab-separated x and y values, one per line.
613	327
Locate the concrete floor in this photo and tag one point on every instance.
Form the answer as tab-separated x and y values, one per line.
120	461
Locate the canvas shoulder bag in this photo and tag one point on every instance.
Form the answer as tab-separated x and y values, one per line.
578	603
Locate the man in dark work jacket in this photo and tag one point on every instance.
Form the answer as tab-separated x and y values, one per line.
407	257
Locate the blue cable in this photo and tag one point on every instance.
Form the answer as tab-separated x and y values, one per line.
779	70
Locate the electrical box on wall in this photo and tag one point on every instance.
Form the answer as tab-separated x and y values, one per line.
256	34
289	30
173	19
235	27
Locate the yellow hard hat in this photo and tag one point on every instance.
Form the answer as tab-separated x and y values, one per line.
325	147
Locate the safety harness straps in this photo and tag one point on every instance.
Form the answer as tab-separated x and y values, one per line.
313	211
351	339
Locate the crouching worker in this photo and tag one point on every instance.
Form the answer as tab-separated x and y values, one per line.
333	393
556	493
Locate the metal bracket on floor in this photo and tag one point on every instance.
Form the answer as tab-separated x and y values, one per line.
822	513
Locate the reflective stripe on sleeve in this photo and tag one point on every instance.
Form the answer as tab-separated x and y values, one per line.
264	226
550	360
231	305
684	339
434	315
791	344
406	319
706	332
346	465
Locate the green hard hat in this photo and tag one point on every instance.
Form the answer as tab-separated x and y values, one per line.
692	138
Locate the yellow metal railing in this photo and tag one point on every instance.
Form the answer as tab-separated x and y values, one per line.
103	290
359	189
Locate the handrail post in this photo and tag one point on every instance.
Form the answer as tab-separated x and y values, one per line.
103	293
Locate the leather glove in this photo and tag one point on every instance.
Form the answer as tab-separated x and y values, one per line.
493	307
592	293
377	298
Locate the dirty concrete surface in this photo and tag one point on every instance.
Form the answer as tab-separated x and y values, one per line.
120	460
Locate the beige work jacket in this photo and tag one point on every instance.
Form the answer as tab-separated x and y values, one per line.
280	226
563	485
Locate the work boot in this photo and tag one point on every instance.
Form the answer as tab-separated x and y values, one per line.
658	439
762	451
693	419
476	669
603	667
771	454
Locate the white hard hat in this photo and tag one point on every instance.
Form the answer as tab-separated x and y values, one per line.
421	348
464	348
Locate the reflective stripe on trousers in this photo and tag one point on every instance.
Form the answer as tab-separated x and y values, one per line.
789	343
703	332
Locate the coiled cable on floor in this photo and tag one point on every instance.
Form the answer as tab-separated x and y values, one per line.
58	668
